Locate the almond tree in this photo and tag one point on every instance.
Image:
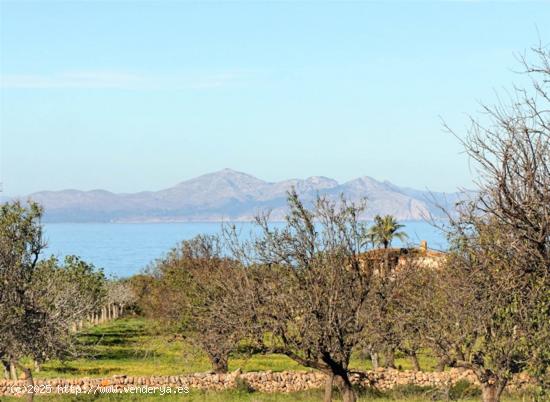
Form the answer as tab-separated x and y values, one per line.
199	292
498	275
383	334
120	295
391	326
66	293
309	292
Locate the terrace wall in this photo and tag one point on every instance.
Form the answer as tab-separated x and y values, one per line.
287	381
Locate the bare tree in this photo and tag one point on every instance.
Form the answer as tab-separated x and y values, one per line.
310	289
392	325
500	262
120	295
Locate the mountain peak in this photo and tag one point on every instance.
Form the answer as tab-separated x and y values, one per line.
224	175
230	171
364	181
227	172
321	182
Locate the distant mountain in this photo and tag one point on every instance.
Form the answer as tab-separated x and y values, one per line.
232	195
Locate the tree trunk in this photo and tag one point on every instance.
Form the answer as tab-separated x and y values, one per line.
328	388
414	360
389	359
13	371
491	391
440	367
344	385
30	382
374	360
219	364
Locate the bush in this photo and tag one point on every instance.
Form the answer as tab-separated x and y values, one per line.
368	392
463	389
242	386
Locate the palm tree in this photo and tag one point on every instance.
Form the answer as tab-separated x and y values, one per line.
385	230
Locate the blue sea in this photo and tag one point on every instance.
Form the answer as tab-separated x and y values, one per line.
126	249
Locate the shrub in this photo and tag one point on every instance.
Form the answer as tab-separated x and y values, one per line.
242	386
463	389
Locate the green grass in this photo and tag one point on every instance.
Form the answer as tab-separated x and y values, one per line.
426	360
133	346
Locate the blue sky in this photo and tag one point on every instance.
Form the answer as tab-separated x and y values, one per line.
130	96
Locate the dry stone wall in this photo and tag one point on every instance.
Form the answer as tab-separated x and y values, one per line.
286	381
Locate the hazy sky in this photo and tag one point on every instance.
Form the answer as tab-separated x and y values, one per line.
141	95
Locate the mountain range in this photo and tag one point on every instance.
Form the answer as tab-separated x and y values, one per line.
236	196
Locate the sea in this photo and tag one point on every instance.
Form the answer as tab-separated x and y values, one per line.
125	249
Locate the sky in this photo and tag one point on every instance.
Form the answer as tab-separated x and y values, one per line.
134	95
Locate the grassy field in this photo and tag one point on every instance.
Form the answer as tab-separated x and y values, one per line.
134	347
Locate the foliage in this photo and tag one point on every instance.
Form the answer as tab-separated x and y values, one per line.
68	292
463	389
384	231
197	290
22	317
242	386
40	300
